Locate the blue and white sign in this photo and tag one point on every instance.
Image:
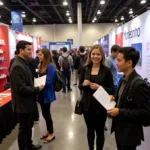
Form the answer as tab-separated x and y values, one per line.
70	40
58	45
16	19
43	46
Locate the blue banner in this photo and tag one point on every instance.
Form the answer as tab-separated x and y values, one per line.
16	19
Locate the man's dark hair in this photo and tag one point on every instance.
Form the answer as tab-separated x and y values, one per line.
22	44
16	52
54	52
81	49
64	49
130	53
37	51
115	48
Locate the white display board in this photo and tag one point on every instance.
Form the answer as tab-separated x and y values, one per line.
135	33
12	43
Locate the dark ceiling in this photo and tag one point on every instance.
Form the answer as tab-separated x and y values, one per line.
53	11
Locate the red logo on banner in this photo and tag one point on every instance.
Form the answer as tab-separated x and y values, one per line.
119	39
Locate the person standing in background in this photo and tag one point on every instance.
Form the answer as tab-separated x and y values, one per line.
93	75
65	62
12	60
47	95
37	58
111	63
80	62
33	67
55	56
23	95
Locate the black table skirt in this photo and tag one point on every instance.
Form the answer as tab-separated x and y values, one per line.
8	120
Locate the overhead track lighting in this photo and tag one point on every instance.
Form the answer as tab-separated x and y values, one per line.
143	1
65	3
102	2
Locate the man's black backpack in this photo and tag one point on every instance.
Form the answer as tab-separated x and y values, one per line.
58	84
145	120
82	63
65	63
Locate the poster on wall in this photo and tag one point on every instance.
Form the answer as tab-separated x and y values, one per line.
138	47
4	54
104	42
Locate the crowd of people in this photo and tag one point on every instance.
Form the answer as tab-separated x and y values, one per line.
91	70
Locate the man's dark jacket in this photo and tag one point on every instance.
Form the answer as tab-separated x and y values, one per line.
132	111
22	87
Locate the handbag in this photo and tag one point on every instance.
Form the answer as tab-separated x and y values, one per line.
78	107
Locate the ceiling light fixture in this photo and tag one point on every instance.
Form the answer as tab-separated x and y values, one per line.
95	18
1	3
122	18
23	15
143	1
34	20
116	20
93	21
131	11
65	3
98	12
67	13
102	2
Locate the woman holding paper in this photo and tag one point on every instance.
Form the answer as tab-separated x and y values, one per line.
47	95
93	75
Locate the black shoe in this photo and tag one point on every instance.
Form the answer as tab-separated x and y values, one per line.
34	147
69	90
64	91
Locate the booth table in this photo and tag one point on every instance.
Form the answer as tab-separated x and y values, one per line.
8	118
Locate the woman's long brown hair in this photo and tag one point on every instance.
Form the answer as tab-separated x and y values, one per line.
89	61
47	59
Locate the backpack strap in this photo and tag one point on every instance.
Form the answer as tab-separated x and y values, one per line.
64	57
131	92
